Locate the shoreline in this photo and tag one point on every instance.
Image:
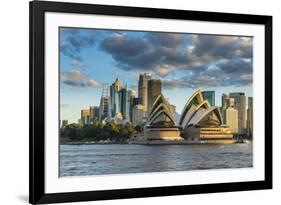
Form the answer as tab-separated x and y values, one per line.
164	142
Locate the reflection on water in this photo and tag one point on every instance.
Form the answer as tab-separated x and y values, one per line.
81	160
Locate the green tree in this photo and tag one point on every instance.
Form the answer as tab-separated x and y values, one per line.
73	131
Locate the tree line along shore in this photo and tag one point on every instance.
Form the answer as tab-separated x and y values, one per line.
97	132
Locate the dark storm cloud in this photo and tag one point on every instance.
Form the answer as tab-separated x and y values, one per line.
213	60
154	49
121	46
74	41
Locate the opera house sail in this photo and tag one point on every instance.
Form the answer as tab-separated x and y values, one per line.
161	124
200	121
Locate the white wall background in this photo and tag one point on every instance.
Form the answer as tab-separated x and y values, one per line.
14	44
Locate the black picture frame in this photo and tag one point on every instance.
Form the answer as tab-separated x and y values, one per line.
37	11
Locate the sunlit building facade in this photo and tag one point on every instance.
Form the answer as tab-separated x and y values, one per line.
231	118
153	91
240	106
142	89
85	116
201	121
138	115
161	124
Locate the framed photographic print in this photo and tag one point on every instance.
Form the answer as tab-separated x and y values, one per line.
140	102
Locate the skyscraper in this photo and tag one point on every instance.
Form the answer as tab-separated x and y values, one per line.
124	102
210	96
240	106
131	99
138	114
231	119
224	98
250	117
142	87
153	91
115	97
104	104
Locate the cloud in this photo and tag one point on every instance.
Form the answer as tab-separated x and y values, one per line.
78	79
163	70
145	53
94	84
77	63
209	47
73	40
226	73
202	60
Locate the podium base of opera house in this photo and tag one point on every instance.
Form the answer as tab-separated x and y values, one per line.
151	133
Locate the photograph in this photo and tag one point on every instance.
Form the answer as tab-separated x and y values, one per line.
135	101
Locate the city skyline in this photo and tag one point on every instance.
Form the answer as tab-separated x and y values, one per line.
89	58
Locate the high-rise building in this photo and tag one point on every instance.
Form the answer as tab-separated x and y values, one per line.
250	117
153	91
142	88
227	102
224	98
138	114
210	96
85	116
231	119
115	97
131	99
240	106
124	103
94	113
104	104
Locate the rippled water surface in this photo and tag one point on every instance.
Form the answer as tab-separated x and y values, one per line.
81	160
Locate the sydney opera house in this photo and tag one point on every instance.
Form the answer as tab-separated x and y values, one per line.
161	124
199	121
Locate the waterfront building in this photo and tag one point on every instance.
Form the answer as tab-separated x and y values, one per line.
104	104
115	97
250	117
142	89
231	118
240	106
85	116
210	96
228	103
201	121
138	115
161	124
153	91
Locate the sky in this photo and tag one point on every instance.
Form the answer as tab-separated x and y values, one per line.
184	62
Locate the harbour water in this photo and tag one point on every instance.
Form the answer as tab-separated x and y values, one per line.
85	160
